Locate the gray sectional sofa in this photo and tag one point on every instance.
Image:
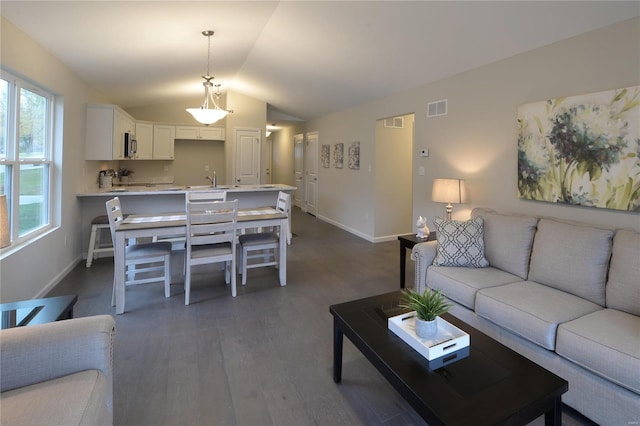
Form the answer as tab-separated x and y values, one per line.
565	295
58	373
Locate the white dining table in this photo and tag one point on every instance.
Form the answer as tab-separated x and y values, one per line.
174	224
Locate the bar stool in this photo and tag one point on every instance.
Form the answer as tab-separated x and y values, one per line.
97	225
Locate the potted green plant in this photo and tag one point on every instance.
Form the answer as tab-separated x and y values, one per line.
428	305
124	174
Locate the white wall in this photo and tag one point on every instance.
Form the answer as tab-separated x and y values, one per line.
38	266
477	139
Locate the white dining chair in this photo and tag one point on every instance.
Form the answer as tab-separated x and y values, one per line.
146	255
211	237
266	243
212	195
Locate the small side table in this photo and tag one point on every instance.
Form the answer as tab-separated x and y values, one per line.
407	242
37	311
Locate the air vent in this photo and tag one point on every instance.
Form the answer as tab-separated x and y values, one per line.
437	108
394	122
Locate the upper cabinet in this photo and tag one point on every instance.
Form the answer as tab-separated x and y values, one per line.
144	138
107	124
200	133
163	141
105	129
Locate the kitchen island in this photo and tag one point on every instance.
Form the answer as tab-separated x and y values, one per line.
167	198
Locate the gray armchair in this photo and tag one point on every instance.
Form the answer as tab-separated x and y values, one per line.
58	373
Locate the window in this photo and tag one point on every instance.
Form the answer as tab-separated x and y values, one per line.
26	117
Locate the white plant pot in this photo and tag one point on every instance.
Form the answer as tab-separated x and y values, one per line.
425	329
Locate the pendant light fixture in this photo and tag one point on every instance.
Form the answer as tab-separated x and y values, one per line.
209	112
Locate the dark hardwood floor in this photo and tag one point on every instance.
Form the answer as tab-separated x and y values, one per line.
262	358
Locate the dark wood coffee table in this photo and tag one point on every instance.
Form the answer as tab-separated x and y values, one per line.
37	311
491	385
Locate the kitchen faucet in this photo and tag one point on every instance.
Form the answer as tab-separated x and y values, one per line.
212	179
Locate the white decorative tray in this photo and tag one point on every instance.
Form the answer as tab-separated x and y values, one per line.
448	339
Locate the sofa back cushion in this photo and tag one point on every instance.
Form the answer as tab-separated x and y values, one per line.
571	258
623	287
508	240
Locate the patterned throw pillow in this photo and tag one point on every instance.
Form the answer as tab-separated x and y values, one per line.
460	243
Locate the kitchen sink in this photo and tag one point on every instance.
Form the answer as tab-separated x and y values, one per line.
201	187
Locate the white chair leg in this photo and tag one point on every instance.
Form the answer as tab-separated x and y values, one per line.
113	292
233	278
187	285
244	265
92	244
167	276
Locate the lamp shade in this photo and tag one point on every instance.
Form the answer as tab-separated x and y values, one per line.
449	191
5	236
207	115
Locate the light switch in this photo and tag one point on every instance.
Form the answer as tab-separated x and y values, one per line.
421	170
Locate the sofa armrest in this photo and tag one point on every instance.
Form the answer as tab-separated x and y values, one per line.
38	353
423	254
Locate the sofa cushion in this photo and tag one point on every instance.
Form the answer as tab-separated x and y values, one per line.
623	287
607	343
531	310
460	243
461	284
508	240
571	258
76	399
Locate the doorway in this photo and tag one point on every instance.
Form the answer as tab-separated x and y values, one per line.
394	175
311	173
247	153
298	170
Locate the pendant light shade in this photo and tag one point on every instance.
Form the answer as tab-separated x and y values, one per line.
210	111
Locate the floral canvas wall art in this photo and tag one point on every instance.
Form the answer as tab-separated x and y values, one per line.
338	155
324	156
354	155
582	150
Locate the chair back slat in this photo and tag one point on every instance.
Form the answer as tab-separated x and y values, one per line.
283	205
211	222
114	213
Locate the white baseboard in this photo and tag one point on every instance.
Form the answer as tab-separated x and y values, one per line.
358	233
56	280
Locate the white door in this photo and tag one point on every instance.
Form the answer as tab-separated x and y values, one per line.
298	170
267	155
311	168
247	153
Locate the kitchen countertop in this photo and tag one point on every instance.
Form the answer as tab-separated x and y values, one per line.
174	189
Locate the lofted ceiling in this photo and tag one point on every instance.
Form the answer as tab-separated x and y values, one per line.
304	58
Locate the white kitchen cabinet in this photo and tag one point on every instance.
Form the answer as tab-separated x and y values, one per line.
104	134
145	141
163	141
200	133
